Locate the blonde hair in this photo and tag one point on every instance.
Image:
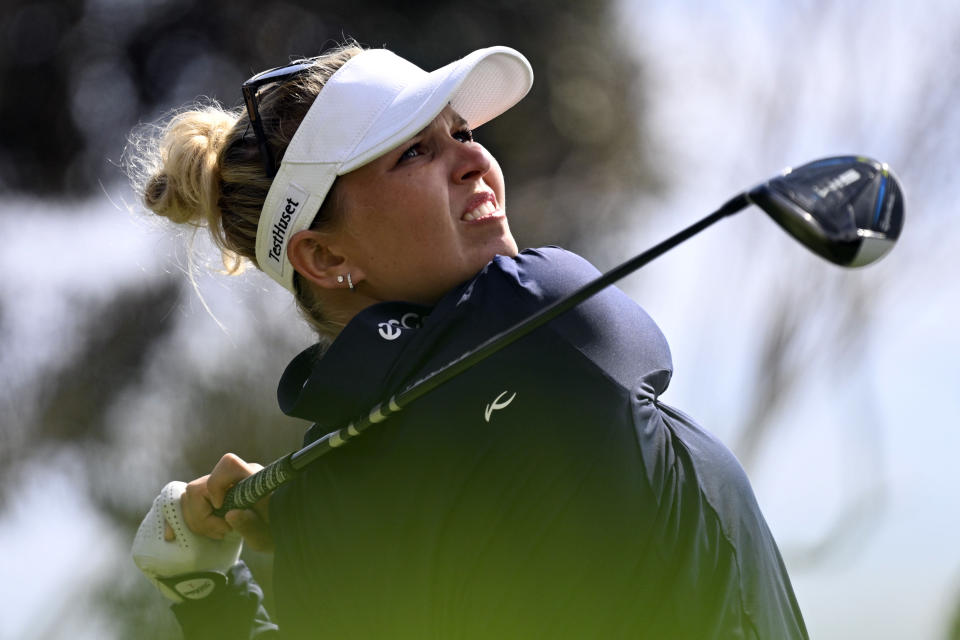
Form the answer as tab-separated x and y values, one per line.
201	167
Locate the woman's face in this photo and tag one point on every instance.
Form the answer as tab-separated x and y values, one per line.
425	216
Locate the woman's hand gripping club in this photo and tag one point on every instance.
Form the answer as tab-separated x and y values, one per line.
184	548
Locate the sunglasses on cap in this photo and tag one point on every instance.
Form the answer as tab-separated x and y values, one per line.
259	85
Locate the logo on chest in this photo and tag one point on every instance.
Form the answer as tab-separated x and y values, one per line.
393	328
497	404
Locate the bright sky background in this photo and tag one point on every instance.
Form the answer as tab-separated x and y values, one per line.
847	79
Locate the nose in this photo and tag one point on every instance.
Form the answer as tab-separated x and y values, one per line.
472	162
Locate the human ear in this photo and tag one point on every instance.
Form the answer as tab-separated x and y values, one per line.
311	255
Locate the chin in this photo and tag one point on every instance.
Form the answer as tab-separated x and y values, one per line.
506	247
508	244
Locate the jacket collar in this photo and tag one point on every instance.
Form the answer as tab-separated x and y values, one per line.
353	374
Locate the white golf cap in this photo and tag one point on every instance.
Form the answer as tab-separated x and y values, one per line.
372	104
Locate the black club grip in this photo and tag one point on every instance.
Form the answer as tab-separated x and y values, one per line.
252	489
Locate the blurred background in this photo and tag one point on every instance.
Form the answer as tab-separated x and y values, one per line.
837	390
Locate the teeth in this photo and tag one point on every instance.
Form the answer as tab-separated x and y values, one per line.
484	210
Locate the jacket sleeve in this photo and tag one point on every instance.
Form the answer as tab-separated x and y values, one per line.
232	613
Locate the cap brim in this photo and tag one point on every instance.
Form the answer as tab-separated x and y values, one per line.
479	87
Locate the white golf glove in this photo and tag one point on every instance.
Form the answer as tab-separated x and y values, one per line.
189	567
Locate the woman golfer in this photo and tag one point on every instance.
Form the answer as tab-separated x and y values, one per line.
544	493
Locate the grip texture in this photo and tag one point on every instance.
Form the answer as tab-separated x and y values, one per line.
251	490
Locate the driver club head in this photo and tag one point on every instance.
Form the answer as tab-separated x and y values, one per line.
847	209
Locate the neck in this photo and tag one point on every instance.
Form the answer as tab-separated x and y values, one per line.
338	307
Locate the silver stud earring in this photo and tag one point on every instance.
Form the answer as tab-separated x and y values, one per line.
340	279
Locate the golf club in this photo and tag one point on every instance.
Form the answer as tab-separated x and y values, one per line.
847	209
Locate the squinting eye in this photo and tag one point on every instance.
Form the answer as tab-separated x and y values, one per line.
412	152
464	135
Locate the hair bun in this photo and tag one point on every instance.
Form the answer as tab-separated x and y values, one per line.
183	183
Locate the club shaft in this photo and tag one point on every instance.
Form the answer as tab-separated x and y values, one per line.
249	491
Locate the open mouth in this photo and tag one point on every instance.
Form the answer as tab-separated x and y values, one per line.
483	205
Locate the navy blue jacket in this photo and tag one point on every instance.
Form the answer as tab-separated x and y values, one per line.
545	493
